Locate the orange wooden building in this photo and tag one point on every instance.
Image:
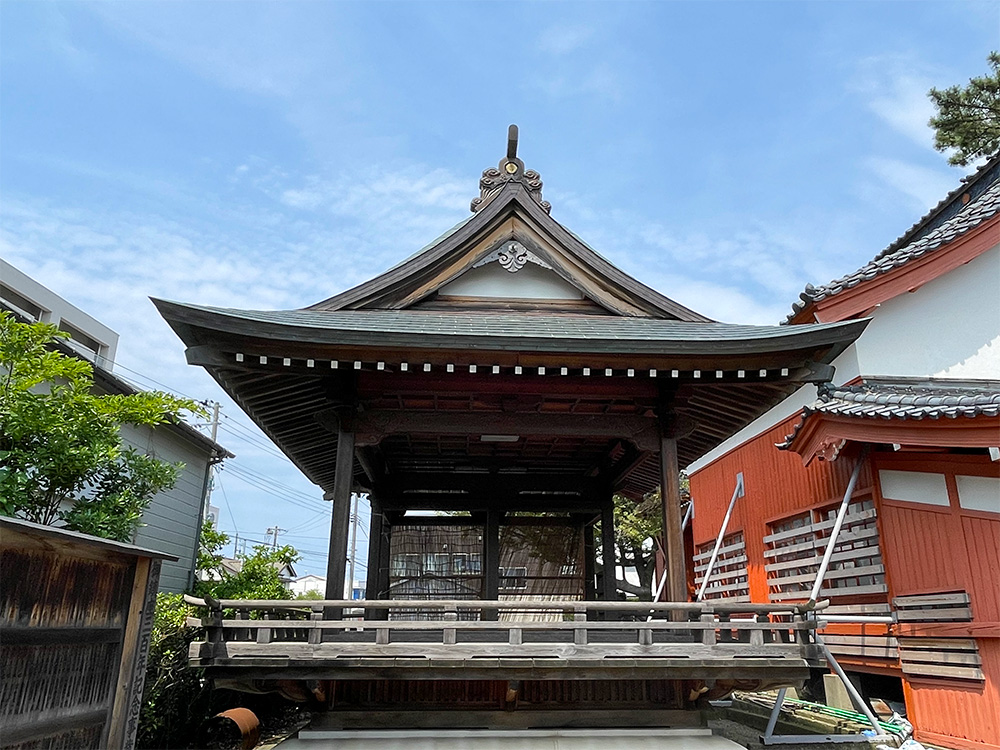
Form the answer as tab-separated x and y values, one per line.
917	403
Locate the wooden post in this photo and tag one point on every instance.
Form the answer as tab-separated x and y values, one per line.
491	561
670	496
373	584
340	518
127	696
589	563
609	560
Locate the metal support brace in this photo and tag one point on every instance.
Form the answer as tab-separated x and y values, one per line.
773	720
737	492
851	690
841	514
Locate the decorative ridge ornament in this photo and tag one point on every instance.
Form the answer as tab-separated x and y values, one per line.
510	169
512	257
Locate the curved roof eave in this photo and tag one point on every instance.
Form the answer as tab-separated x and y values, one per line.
527	332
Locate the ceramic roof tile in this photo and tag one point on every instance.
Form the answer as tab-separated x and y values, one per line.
886	400
981	208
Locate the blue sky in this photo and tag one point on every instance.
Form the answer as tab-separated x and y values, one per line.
269	155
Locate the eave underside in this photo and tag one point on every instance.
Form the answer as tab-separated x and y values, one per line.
294	410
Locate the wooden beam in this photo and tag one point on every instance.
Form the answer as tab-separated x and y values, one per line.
535	503
375	384
485	482
373	425
340	518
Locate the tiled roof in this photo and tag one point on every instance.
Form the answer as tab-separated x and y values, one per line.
895	400
979	209
533	331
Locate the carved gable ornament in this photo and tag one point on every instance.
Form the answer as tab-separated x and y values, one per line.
510	169
512	257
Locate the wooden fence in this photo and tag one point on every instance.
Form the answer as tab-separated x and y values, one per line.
75	614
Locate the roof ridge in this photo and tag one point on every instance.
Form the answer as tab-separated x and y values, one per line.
972	214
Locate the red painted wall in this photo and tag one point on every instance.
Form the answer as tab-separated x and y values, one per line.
924	548
777	485
928	549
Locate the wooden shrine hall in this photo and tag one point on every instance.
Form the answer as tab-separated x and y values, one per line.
512	379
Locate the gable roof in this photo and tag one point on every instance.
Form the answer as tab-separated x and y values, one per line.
510	207
963	211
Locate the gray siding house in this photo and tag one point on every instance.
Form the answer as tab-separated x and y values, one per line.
172	522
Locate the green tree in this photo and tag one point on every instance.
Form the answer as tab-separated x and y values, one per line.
638	530
177	699
968	118
61	454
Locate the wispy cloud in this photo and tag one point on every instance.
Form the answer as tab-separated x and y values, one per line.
561	39
895	89
925	186
743	272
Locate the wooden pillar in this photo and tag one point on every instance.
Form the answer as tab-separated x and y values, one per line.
491	561
385	559
374	577
589	563
609	562
670	496
340	517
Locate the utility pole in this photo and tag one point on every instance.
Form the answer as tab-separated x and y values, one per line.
354	547
274	531
216	406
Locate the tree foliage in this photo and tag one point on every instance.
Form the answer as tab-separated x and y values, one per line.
638	530
176	699
257	577
968	117
61	453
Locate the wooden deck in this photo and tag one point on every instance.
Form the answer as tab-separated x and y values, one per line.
465	639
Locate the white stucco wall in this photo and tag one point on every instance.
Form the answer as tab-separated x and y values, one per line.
948	328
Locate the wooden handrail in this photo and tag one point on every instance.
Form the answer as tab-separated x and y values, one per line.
569	605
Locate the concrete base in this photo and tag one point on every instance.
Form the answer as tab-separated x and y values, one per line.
836	694
522	739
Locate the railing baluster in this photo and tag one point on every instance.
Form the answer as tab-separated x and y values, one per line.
580	631
264	634
382	636
316	633
708	634
645	635
514	636
450	634
725	633
766	634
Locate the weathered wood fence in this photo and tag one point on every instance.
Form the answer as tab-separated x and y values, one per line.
75	619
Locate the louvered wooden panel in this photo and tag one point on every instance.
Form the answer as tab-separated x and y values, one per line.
956	658
729	575
795	548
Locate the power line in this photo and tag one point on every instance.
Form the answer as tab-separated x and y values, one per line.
273	488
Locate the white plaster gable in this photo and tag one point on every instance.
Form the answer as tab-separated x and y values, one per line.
530	281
